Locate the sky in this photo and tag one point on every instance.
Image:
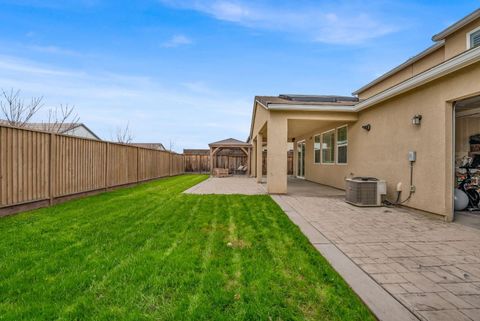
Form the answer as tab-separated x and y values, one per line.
185	72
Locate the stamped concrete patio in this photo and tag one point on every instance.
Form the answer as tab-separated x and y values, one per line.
404	265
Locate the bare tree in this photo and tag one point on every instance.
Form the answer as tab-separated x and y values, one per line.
124	135
171	145
16	111
61	119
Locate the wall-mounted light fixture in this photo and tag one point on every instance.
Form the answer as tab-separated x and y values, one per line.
417	120
367	127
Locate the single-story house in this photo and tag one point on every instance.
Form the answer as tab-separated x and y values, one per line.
156	146
429	105
72	129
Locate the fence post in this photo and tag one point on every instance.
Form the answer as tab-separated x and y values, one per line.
107	145
51	177
169	163
138	165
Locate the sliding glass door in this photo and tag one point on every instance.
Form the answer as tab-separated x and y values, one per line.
301	159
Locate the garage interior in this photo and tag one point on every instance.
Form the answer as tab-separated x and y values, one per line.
467	161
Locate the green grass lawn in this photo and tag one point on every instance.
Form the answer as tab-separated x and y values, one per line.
152	253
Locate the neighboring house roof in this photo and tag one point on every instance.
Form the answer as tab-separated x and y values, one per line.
64	128
456	26
157	146
400	67
229	142
196	151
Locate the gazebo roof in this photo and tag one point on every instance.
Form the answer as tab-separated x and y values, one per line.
229	142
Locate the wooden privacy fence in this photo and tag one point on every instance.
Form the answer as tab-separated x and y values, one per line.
198	161
289	162
38	169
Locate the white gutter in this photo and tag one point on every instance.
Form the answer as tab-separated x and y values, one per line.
457	25
467	58
407	63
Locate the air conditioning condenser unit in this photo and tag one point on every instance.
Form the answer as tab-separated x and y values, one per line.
365	191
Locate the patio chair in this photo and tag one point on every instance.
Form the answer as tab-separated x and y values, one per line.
241	170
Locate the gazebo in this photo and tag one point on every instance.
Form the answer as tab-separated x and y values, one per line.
230	154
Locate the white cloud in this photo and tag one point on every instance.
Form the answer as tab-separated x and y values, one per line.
176	41
229	11
53	50
198	87
156	110
318	22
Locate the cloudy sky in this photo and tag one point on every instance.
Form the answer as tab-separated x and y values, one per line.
186	71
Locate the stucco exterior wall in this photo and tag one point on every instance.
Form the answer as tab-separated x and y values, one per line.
427	62
383	151
456	43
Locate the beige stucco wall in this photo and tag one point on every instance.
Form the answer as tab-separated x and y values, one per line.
456	43
383	151
427	62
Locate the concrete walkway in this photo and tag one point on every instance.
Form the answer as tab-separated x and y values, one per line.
404	265
228	185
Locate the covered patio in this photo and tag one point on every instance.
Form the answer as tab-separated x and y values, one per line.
404	265
280	120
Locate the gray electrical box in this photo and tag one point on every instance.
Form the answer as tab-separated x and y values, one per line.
412	156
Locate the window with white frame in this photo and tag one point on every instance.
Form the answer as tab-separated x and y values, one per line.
328	147
316	149
342	145
473	38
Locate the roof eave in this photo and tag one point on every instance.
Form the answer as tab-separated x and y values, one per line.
407	63
463	60
457	25
456	63
305	107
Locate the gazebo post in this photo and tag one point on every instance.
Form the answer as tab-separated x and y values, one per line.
211	161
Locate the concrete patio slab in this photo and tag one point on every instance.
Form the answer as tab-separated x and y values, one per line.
228	185
419	262
380	302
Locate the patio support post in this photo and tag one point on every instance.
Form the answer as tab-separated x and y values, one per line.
277	154
253	159
249	153
259	170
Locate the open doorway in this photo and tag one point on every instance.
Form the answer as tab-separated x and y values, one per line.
467	161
